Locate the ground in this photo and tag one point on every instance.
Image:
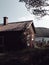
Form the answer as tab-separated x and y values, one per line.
28	56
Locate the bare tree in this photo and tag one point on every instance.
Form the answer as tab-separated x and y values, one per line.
37	7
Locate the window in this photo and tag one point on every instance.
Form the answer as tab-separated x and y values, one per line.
1	41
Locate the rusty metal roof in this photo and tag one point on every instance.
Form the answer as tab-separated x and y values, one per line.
17	26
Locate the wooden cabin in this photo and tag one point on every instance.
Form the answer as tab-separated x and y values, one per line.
16	35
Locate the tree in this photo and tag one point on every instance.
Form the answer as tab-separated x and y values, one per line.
36	7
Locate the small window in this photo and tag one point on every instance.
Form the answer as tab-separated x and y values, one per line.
1	40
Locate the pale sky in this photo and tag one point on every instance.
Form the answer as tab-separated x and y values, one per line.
17	11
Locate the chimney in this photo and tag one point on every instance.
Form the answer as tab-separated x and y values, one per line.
5	19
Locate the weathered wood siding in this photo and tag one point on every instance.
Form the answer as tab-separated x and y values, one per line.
12	40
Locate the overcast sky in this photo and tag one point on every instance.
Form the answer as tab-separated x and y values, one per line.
17	11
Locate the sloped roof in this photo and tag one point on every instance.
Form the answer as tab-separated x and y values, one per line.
17	26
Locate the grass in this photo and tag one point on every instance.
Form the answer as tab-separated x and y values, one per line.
28	56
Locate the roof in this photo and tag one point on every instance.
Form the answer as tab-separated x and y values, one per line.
17	26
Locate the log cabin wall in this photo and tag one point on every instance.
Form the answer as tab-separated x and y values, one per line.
12	40
29	36
16	40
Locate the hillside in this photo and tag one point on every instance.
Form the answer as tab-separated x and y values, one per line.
43	32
